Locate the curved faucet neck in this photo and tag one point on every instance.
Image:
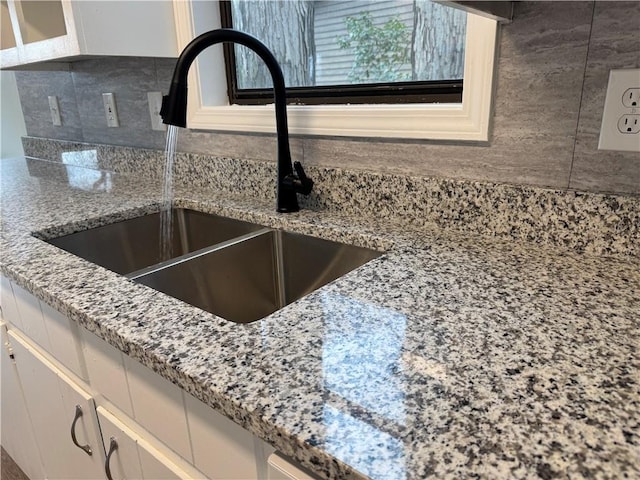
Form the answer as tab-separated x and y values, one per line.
175	104
205	40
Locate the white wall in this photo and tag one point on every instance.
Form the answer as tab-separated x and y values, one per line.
11	118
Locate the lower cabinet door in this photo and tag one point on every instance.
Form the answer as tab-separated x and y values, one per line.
17	434
121	449
62	415
131	456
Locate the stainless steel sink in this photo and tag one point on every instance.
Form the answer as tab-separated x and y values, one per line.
134	244
247	279
237	270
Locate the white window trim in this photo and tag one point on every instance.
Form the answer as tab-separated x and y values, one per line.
469	121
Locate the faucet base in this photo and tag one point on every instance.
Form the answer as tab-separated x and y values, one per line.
287	200
288	209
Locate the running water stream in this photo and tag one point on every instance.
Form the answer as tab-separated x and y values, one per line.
166	217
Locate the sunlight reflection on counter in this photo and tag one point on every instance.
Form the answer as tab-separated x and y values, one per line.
83	173
361	361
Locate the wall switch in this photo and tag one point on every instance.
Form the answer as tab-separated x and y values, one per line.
155	103
110	110
620	128
54	108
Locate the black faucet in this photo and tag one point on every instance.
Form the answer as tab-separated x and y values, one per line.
174	109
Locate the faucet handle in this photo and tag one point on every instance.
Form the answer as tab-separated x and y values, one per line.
304	183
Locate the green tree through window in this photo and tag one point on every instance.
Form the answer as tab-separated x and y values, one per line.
380	52
349	51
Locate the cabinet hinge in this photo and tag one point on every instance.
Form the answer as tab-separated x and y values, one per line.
10	350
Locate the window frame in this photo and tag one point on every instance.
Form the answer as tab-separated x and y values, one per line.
443	91
466	121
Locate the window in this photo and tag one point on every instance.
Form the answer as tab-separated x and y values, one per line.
348	51
468	119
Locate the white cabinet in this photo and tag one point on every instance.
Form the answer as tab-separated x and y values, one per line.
40	31
8	305
143	395
130	455
17	434
63	416
158	406
279	468
63	340
160	431
42	324
222	449
105	366
31	320
124	461
212	443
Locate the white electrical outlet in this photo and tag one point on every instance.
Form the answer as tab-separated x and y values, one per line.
620	128
155	103
631	97
54	108
629	124
110	110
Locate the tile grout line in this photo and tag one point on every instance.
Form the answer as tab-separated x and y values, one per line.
584	81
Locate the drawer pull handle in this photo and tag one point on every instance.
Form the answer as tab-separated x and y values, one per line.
113	446
86	448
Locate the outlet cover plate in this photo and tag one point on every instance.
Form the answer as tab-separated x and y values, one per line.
54	109
611	137
110	109
154	99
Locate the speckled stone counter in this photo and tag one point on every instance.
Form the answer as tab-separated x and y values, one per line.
451	356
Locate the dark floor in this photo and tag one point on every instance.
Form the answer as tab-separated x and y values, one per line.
9	470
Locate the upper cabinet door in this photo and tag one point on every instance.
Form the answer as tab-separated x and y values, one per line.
55	30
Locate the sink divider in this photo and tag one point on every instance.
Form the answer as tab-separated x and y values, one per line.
198	253
278	261
182	228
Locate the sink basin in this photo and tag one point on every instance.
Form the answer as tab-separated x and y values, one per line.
237	270
134	244
248	279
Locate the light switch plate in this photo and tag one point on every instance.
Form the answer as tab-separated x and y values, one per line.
54	108
110	110
155	103
620	128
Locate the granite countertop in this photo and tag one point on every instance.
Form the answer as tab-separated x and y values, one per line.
448	356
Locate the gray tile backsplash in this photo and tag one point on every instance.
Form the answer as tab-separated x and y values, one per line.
34	88
129	79
552	74
594	169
